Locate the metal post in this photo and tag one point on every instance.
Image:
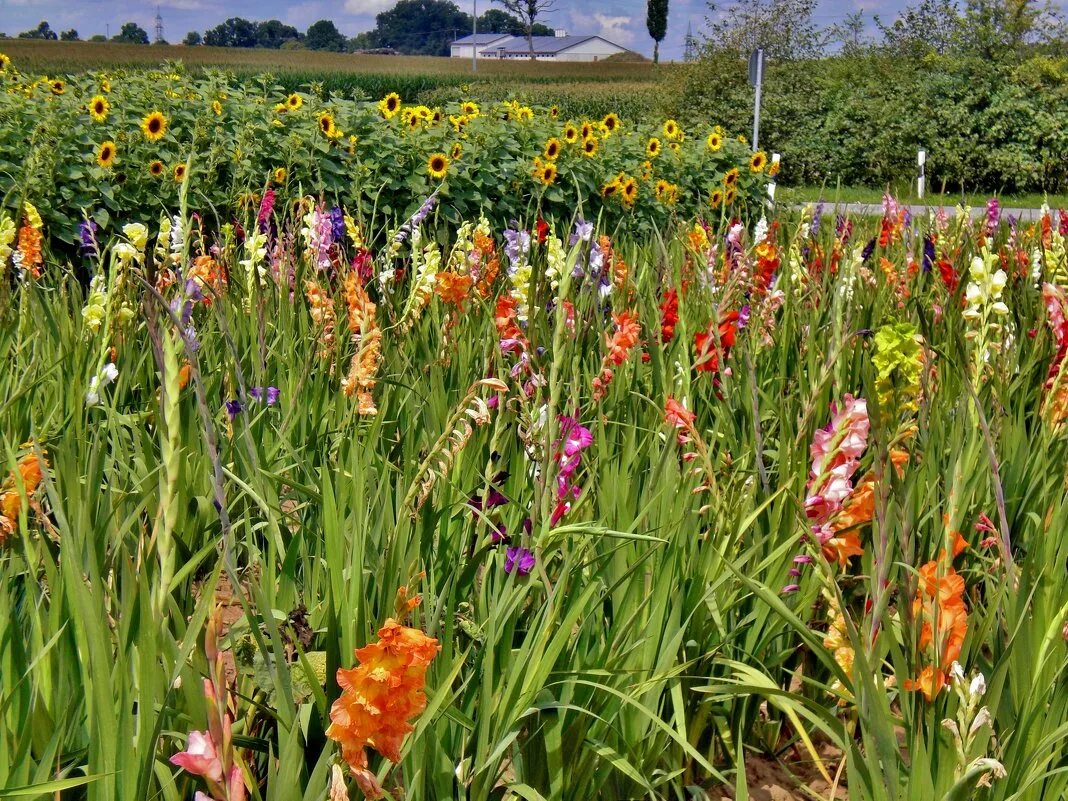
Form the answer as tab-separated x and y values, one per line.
756	77
474	35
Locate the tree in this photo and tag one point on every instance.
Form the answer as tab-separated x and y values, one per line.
421	27
497	21
931	25
992	28
131	33
42	31
193	38
324	35
786	29
656	15
528	11
363	41
70	36
273	33
98	37
851	33
235	32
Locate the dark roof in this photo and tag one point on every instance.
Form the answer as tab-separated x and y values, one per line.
542	44
482	38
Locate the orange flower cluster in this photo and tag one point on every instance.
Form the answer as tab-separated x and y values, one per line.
613	262
321	306
669	315
363	326
379	697
30	249
505	317
488	263
620	342
939	605
453	288
206	272
31	471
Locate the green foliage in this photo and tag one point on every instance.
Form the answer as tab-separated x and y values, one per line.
131	33
324	35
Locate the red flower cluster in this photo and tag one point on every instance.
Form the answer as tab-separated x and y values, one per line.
708	353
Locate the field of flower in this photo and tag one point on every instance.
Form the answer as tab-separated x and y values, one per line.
382	477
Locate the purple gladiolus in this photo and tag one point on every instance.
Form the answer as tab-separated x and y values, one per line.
87	231
233	408
260	394
520	560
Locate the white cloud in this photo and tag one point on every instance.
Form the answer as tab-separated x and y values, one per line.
615	29
368	6
183	5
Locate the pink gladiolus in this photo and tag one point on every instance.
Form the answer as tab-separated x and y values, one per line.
200	757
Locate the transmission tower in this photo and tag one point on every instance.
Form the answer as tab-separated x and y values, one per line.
159	27
690	53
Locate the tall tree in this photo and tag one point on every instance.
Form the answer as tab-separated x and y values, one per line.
131	33
656	15
496	21
273	33
994	27
193	38
786	29
528	11
930	25
235	32
42	31
421	27
324	35
70	36
851	33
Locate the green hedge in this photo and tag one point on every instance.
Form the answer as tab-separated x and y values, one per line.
987	126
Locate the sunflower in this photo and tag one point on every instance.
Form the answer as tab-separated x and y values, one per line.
742	139
716	198
280	175
525	114
327	125
729	195
610	123
436	116
647	169
571	133
587	130
589	147
666	192
773	169
548	173
389	105
652	149
610	188
671	129
105	86
154	126
629	191
179	172
470	108
105	156
155	168
552	149
437	166
294	101
98	108
280	108
57	86
5	60
731	178
456	152
554	111
216	107
758	161
714	141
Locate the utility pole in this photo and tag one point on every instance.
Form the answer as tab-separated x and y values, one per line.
474	35
756	78
159	27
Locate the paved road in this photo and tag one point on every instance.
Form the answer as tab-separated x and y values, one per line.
876	210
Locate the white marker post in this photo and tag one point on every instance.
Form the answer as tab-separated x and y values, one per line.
774	179
756	79
921	178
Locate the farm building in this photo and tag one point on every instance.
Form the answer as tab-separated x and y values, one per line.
463	48
560	47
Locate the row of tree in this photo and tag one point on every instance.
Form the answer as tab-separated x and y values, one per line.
411	27
787	29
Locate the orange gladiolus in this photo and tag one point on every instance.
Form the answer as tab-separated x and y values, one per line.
379	697
930	682
939	605
31	471
841	547
453	287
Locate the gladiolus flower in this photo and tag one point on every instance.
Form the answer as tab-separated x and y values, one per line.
200	757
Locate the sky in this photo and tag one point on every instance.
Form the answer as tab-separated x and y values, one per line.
620	21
